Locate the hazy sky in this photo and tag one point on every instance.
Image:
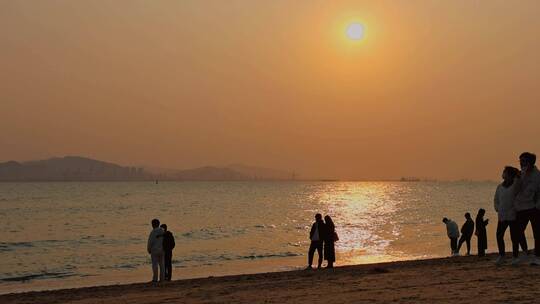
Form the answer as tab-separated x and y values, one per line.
445	89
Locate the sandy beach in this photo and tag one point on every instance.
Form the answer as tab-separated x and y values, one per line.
447	280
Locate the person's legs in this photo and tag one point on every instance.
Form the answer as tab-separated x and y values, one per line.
521	225
161	260
320	253
168	265
453	245
468	241
501	229
311	252
535	223
460	242
514	235
155	262
329	253
481	248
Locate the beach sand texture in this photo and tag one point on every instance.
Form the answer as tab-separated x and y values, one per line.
455	280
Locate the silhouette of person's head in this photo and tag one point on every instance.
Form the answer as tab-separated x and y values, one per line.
481	212
328	220
527	160
318	217
509	173
155	223
468	215
164	227
444	220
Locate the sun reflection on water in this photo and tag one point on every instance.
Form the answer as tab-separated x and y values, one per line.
364	214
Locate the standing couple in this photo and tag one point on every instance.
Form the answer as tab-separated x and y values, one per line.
322	235
160	246
517	202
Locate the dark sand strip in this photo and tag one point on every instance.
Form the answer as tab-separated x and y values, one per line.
455	280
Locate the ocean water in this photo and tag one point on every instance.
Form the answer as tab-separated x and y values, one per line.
59	235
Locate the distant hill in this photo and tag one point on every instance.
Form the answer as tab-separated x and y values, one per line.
229	173
262	173
76	168
69	168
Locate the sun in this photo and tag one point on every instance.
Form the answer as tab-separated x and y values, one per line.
355	31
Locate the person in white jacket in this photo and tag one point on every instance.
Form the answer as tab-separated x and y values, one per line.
452	231
504	206
155	249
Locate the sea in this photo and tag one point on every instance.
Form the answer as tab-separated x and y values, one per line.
71	234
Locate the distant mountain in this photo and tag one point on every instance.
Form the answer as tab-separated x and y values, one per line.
232	173
262	173
69	168
76	168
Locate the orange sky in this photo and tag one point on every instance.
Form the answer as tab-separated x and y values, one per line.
444	89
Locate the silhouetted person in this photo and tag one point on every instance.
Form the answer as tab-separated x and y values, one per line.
155	249
331	235
527	202
452	231
317	236
467	231
481	232
504	205
168	246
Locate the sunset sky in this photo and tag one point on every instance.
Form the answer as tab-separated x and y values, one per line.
442	89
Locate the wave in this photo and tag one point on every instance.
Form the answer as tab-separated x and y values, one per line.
212	233
122	266
232	257
10	246
265	226
38	276
47	244
270	255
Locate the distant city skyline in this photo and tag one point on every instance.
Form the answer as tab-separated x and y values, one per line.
439	89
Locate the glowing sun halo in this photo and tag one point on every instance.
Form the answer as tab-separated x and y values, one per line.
355	31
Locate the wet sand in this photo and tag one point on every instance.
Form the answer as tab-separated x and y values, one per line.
448	280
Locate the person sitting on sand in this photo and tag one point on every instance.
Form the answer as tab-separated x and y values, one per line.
331	237
317	236
168	246
481	232
155	249
503	203
527	202
452	231
467	231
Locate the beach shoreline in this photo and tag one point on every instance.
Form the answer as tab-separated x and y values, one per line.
441	280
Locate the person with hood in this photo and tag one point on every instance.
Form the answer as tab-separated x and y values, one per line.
467	231
155	249
452	231
317	236
527	202
481	232
503	203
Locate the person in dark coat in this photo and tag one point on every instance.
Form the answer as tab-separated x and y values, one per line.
481	232
467	231
168	246
317	235
329	249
